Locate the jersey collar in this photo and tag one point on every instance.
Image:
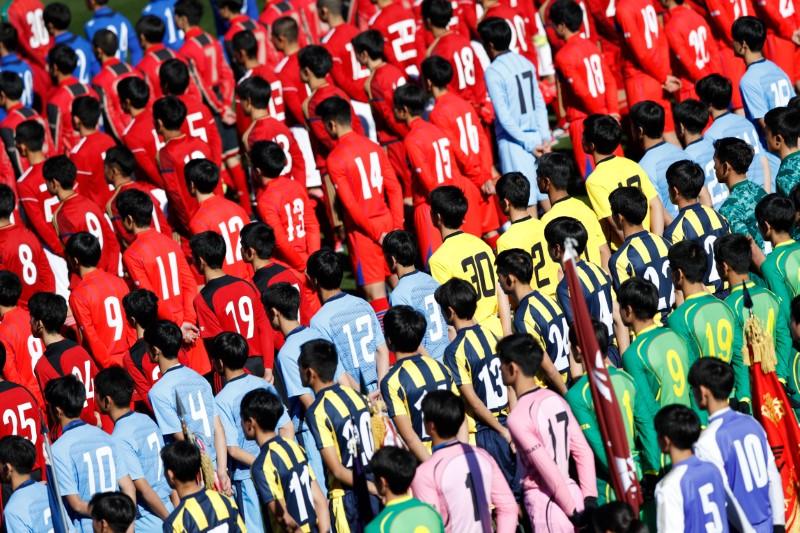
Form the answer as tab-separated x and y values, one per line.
72	425
719	413
523	219
237	378
632	236
398	501
336	297
32	481
609	158
408	274
648	329
700	294
719	117
298	329
655	146
785	243
126	415
459	232
171	369
443	445
763	59
694	141
749	284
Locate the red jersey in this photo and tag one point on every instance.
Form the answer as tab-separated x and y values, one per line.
269	129
105	83
159	222
14	117
464	20
200	124
398	26
77	213
156	262
22	416
59	113
39	206
381	85
277	272
587	85
220	215
88	155
521	34
172	159
781	17
141	138
275	105
22	253
243	22
152	59
723	14
273	10
233	304
208	66
96	303
587	29
431	157
645	50
366	185
347	72
284	205
294	90
694	52
32	35
321	141
23	350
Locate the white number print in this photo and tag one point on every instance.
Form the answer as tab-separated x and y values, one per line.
436	328
39	34
35	349
169	280
283	141
155	448
786	8
441	148
93	226
468	136
28	266
242	311
594	75
492	379
403	33
196	131
465	66
364	430
710	508
19	422
198	412
363	326
697	40
371	178
650	25
739	8
559	337
359	72
708	245
418	406
295	211
781	92
229	230
113	315
106	476
85	378
752	462
300	487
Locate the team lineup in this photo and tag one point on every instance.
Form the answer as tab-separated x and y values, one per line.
386	266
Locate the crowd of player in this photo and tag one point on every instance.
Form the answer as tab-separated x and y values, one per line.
174	209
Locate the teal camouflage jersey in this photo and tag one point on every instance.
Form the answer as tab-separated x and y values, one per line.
788	174
739	209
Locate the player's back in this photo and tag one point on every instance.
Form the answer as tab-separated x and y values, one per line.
779	266
272	129
679	508
431	158
220	215
205	511
459	120
63	358
23	416
650	350
88	155
764	86
513	70
468	81
637	19
528	234
644	254
347	73
23	350
28	508
22	253
540	316
655	161
164	9
709	323
596	286
701	151
703	225
417	290
734	125
78	213
583	213
612	173
581	63
398	27
277	272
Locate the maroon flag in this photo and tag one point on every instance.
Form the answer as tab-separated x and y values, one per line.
606	407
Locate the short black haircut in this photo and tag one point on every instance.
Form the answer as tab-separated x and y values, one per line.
678	423
649	116
135	204
263	407
458	295
87	109
783	121
777	211
121	158
48	308
7	201
116	383
315	58
325	267
495	31
334	109
106	40
31	134
245	41
603	132
733	250
60	169
438	12
191	9
630	203
402	246
257	90
450	204
320	356
411	97
141	305
514	187
19	452
182	458
232	5
135	90
283	297
687	177
445	411
152	28
371	42
269	158
11	85
259	237
404	328
736	152
395	465
10	289
522	349
62	58
287	28
173	75
84	248
8	36
560	229
714	90
641	295
567	12
751	31
515	262
203	174
690	258
558	167
116	508
58	14
166	336
230	348
437	69
600	335
66	393
170	111
692	114
210	247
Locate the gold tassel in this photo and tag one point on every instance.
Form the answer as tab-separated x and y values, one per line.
207	468
761	343
378	423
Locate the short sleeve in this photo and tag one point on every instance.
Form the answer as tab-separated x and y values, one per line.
126	455
598	196
67	476
166	416
456	361
266	481
290	372
120	461
394	395
753	98
227	421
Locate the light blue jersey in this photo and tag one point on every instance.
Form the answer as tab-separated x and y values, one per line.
351	325
733	125
416	289
197	403
105	18
11	62
655	161
764	86
737	445
28	509
139	442
86	461
701	152
87	62
165	10
521	115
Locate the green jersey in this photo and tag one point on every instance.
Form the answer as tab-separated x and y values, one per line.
781	271
707	325
738	209
788	174
406	514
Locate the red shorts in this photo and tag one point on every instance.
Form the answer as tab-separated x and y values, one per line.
785	54
643	87
366	255
732	68
428	237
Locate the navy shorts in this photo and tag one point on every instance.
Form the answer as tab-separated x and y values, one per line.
496	445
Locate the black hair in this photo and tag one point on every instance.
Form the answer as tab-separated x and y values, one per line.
450	204
603	132
166	336
232	5
630	203
438	12
170	111
11	85
777	211
783	121
120	157
283	297
320	356
191	9
558	167
7	201
66	393
60	169
135	90
84	248
116	383
141	306
751	31
58	14
600	335
371	42
514	187
262	406
173	75
182	458
567	12
522	349
48	308
649	116
287	28
395	465
152	28
31	134
245	41
116	508
402	246
515	262
259	237
560	229
690	258
230	348
495	31
733	250
445	411
10	289
687	177
135	204
19	452
795	308
334	109
62	58
736	152
315	58
257	90
437	70
459	295
641	295
404	328
106	40
8	36
269	158
691	114
210	247
325	268
87	109
203	174
411	97
617	517
679	423
714	90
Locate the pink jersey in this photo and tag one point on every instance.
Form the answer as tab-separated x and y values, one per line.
461	482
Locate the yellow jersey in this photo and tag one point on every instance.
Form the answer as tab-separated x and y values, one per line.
611	173
580	211
528	234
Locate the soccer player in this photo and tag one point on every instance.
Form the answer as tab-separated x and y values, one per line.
705	322
112	71
245	53
161	10
20	400
141	311
96	302
521	126
216	213
370	196
602	135
139	443
112	512
447	480
338	415
782	129
411	378
103	17
764	85
678	509
399	27
10	61
16	113
284	38
523	28
776	218
349	322
691	118
28	506
279	463
198	506
89	152
151	31
760	499
85	458
283	203
347	73
233	12
415	288
141	137
61	63
536	314
229	354
57	18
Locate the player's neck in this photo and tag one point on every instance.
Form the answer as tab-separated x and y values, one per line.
598	157
263	437
631	229
735	179
171	134
18	479
117	412
714	406
287	326
521	290
230	373
315	83
327	294
291	48
34	158
135	112
383	3
212	273
460	323
64	421
64	194
775	238
401	270
682	202
515	214
677	456
390	496
185	489
119	181
717	112
649	142
554	195
49	338
751	57
786	151
85	132
61	77
446	232
638	325
137	230
165	364
4	310
258	114
4	222
202	197
404	355
334	21
438	92
690	289
438	32
55	33
84	271
9	103
318	385
524	384
375	64
735	279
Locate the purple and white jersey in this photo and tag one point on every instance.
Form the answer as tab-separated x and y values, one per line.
691	498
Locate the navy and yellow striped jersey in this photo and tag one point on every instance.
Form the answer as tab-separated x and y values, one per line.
406	385
644	255
336	415
472	360
597	289
205	511
281	472
701	224
542	317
